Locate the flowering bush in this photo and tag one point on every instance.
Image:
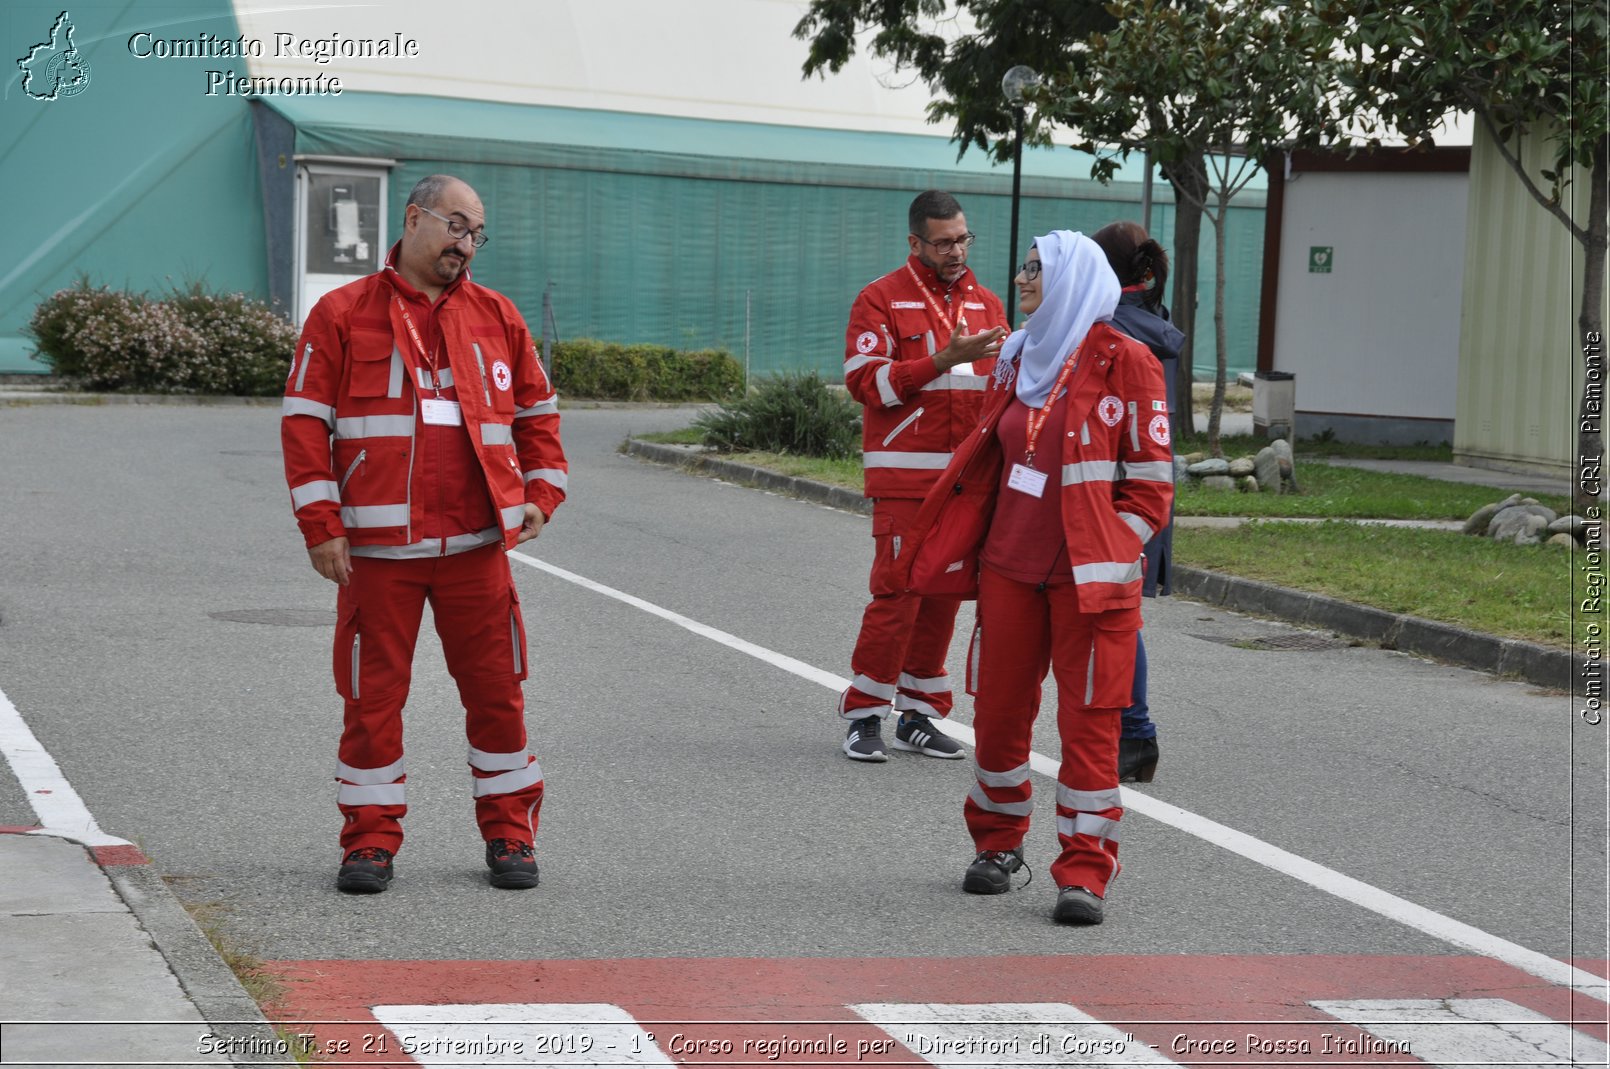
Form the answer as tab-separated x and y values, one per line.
190	342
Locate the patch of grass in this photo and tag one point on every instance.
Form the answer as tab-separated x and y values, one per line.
1338	492
834	471
1236	445
1515	591
249	969
684	436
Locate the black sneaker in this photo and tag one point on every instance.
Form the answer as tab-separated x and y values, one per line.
991	872
1078	905
513	864
865	740
364	871
917	733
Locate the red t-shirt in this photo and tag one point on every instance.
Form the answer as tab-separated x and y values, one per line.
1026	541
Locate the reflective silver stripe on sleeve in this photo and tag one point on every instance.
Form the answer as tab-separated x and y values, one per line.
487	761
948	381
301	374
509	782
923	461
885	391
1084	433
1011	809
497	434
1089	471
1134	426
1142	529
552	476
1151	471
513	516
902	425
1088	801
1086	824
321	490
301	406
1012	777
357	516
545	407
871	687
368	777
855	363
480	362
382	794
925	684
1107	571
931	349
432	547
394	387
374	427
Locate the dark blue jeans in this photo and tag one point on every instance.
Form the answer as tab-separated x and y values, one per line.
1137	722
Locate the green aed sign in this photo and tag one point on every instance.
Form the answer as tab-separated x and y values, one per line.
1320	258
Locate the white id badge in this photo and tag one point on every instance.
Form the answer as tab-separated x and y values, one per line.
1027	480
439	413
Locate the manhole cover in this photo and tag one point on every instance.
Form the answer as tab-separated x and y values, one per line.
1306	640
278	617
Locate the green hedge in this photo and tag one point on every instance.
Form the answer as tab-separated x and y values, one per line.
611	371
188	342
790	413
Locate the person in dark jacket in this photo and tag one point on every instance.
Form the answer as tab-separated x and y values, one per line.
1142	269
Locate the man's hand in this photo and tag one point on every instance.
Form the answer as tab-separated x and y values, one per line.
965	348
534	519
332	560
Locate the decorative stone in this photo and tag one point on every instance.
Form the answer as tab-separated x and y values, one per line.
1515	522
1194	458
1564	541
1570	524
1266	466
1180	473
1218	482
1241	466
1210	466
1282	448
1477	524
1248	484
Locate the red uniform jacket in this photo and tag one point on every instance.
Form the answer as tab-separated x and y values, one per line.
352	407
1117	480
915	417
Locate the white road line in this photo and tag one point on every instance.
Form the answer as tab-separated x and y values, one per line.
1008	1035
1464	1031
549	1033
1315	875
61	811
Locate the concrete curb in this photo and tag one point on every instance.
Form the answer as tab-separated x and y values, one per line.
210	984
1544	666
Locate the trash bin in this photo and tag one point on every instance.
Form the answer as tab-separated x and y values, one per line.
1274	404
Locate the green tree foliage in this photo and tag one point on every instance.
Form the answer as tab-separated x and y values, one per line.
1527	69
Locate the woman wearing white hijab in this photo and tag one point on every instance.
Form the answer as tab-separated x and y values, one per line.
1044	512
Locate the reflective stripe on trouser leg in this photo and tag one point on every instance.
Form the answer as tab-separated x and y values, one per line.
1013	654
478	617
377	623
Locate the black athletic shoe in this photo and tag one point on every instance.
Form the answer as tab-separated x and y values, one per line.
864	742
991	872
365	871
916	732
513	865
1078	905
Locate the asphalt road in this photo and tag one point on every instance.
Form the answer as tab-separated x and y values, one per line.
698	804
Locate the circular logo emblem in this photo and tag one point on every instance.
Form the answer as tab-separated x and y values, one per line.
501	375
1111	410
867	342
1158	429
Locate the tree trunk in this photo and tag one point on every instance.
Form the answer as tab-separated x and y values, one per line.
1221	222
1590	473
1190	190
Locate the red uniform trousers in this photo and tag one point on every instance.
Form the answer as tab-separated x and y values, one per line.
477	615
1023	629
899	658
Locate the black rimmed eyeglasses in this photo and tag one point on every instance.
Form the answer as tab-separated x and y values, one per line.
946	246
1029	269
457	230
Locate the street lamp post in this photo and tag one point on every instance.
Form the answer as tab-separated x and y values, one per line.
1013	84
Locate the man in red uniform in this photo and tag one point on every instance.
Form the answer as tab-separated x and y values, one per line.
919	350
421	441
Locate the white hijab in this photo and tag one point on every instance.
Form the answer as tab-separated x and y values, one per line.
1077	289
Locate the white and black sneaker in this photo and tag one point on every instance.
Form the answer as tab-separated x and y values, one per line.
865	740
917	733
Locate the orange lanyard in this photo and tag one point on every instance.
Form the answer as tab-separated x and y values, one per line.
1038	417
413	332
950	326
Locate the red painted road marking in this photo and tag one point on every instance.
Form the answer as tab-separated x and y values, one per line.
1209	1000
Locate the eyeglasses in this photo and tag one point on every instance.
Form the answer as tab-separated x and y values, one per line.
949	245
1029	269
457	230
